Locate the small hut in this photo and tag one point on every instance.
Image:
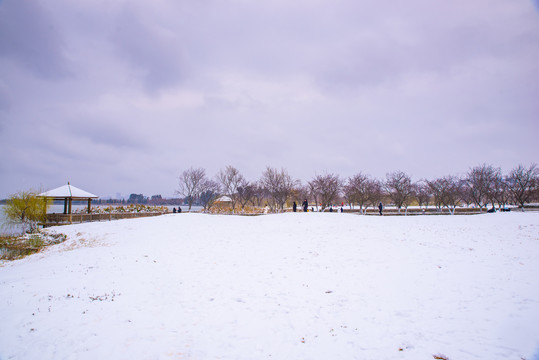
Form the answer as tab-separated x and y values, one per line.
68	193
224	202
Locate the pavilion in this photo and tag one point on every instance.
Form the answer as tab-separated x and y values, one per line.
68	193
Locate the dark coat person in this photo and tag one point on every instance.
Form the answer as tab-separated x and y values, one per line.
305	205
380	207
294	207
179	209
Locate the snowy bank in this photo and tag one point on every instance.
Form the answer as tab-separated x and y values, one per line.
288	286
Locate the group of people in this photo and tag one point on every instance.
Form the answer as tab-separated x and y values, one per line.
306	207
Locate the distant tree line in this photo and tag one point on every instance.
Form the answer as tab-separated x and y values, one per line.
154	200
481	186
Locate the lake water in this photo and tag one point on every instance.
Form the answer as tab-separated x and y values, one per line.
5	228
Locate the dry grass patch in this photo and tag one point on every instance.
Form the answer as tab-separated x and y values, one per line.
16	247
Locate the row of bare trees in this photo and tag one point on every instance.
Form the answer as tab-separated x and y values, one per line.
274	188
481	186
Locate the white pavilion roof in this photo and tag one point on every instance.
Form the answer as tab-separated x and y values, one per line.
224	198
68	191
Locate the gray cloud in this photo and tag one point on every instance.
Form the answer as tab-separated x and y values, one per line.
153	48
5	98
340	86
30	37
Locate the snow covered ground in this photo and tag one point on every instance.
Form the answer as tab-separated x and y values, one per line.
288	286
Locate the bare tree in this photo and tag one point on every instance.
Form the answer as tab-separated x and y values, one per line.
376	192
326	189
231	179
447	192
452	192
398	186
465	193
523	183
349	195
422	193
496	187
300	193
436	189
480	183
313	195
360	187
246	194
500	190
259	194
279	185
210	192
190	185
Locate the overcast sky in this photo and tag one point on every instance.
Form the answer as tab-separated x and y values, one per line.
122	96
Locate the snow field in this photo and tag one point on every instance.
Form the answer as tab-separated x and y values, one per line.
287	286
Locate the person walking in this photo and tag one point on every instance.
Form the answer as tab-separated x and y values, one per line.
294	207
380	207
305	205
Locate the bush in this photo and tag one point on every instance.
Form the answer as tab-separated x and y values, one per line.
26	209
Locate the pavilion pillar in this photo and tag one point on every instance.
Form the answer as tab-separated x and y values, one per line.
89	205
70	215
65	206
